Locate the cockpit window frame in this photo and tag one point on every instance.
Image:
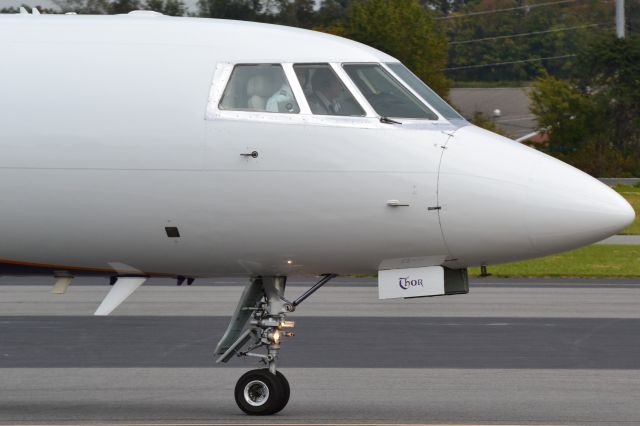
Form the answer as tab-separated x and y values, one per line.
440	117
297	90
275	90
416	98
355	92
222	75
371	119
386	66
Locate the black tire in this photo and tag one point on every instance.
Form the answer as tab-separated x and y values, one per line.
286	392
259	393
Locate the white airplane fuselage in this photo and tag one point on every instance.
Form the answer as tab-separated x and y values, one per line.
110	133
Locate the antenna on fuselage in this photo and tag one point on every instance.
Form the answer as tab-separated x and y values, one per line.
24	11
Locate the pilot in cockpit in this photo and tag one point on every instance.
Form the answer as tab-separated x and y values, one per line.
326	93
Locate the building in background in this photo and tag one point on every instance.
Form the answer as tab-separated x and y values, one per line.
507	107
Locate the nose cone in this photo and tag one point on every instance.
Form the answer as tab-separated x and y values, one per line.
567	208
502	201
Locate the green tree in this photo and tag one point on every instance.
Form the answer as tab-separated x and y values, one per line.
111	7
446	6
481	120
593	119
123	6
403	29
85	7
295	13
609	70
245	10
331	12
40	9
483	33
563	111
166	7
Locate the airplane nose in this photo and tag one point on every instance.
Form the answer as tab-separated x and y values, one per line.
566	208
501	201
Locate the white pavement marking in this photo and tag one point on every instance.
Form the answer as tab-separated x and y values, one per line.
541	302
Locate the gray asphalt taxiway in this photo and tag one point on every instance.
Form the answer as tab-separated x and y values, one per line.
510	352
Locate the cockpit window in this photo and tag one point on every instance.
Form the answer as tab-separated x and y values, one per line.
424	91
325	93
260	88
385	94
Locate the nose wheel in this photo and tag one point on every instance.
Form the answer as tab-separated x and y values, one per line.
260	392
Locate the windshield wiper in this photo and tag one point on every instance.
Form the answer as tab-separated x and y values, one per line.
387	120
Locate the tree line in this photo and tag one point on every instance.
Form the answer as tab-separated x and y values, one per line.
592	118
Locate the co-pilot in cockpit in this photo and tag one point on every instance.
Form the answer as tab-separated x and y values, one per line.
326	94
284	100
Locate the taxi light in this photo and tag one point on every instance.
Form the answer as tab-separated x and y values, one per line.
287	324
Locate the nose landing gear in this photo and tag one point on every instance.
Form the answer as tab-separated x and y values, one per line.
259	321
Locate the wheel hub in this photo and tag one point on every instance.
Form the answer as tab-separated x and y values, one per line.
256	393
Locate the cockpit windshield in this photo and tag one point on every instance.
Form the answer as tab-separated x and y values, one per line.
424	91
387	96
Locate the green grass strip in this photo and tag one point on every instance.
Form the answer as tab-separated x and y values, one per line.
632	195
596	261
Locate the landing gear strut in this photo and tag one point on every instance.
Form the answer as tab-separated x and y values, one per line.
260	321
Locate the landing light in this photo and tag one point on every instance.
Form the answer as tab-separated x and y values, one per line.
287	324
275	337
